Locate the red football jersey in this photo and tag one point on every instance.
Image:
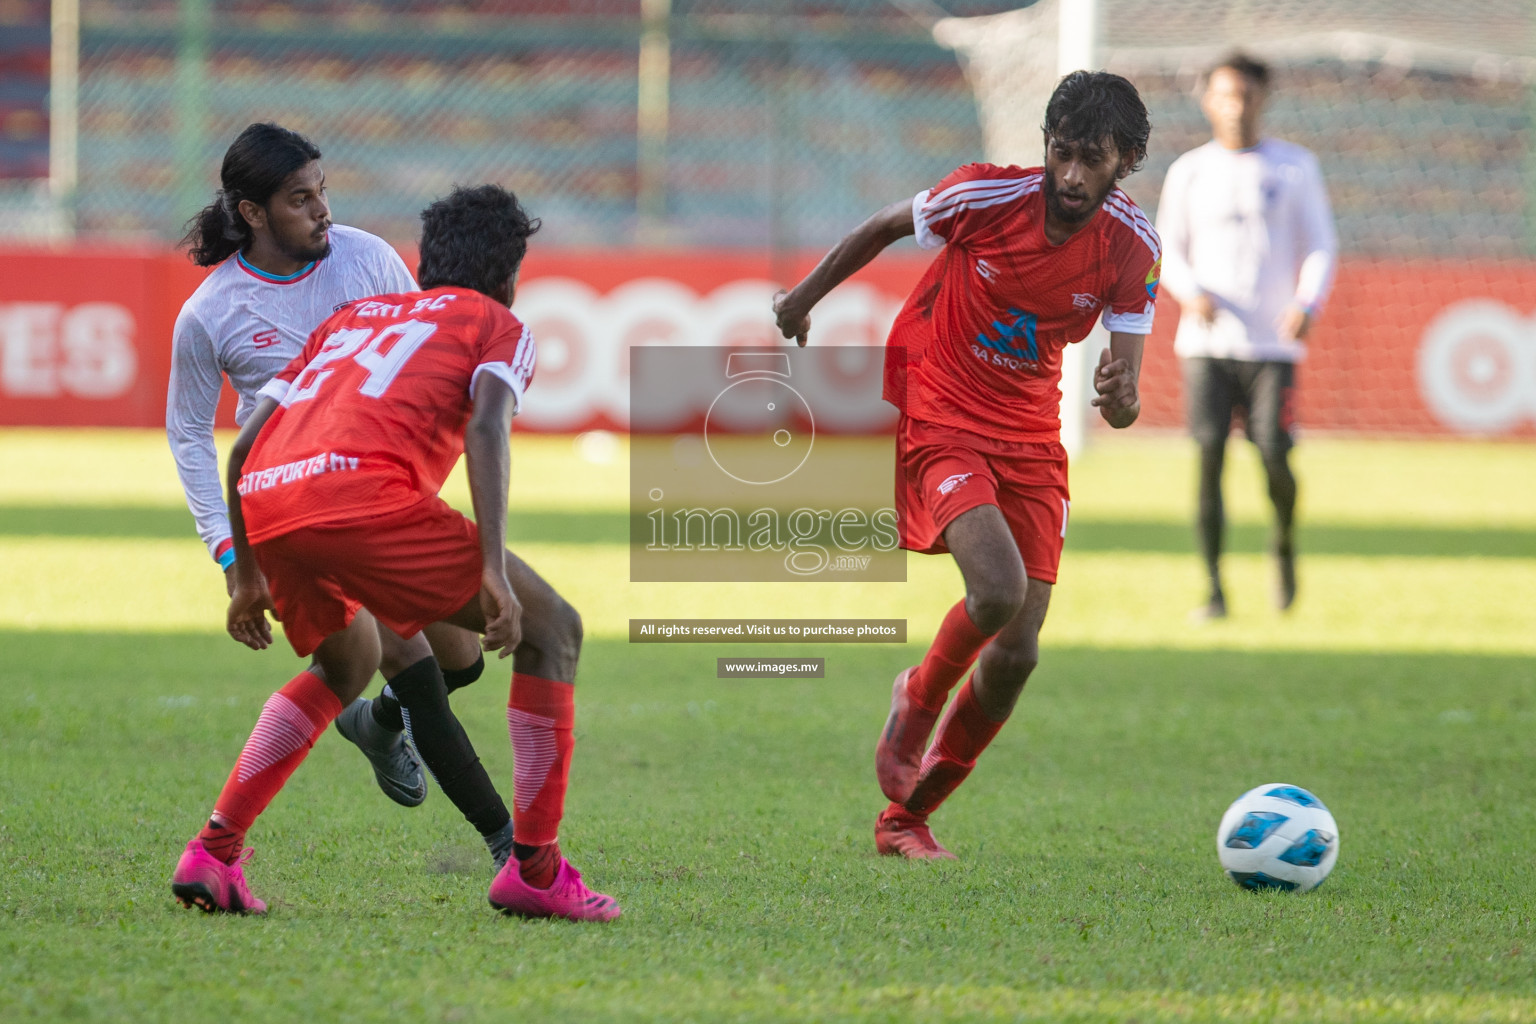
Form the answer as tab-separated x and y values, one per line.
374	409
978	343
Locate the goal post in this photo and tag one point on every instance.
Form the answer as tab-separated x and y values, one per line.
1013	62
1419	112
1077	37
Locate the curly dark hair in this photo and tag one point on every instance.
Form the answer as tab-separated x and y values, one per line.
1090	105
475	239
255	167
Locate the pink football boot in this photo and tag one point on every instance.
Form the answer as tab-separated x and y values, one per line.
567	897
202	880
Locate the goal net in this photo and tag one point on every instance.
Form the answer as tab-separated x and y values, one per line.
1420	113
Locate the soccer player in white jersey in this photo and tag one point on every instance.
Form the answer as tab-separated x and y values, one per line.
280	268
1249	250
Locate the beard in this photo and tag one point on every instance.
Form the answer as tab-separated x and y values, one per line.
307	250
1081	216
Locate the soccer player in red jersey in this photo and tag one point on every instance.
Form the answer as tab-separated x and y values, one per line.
338	527
1029	259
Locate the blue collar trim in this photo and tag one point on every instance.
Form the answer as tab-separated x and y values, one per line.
275	278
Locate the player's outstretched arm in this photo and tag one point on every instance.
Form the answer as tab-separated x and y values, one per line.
1116	380
792	309
488	463
249	599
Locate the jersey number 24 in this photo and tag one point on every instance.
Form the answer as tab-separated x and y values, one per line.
382	353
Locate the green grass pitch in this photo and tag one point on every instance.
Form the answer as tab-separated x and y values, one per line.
732	819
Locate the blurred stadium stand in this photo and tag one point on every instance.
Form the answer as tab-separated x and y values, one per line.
788	120
23	89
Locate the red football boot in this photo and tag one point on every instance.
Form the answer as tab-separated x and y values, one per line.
899	833
899	753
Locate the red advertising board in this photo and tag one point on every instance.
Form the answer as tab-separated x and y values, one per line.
1403	347
85	335
1414	348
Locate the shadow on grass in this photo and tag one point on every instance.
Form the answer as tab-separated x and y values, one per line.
159	523
603	527
1316	539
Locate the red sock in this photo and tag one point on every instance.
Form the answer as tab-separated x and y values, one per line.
953	651
293	718
540	715
963	733
540	865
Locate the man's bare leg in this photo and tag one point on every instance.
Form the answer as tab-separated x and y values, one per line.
994	591
541	713
209	874
1010	608
377	726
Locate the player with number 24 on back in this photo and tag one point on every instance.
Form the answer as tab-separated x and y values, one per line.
337	523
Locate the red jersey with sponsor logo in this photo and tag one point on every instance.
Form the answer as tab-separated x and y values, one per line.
373	410
979	342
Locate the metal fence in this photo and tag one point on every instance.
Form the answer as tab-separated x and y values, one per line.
699	125
776	123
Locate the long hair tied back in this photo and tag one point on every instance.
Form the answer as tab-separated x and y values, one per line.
255	167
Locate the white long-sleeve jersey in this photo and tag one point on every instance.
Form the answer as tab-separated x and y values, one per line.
1251	228
246	325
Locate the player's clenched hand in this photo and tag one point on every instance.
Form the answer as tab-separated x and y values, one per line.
247	618
1116	387
793	323
503	614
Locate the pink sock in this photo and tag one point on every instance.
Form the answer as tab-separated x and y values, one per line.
540	716
293	718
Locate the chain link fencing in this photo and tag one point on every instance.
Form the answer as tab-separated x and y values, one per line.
765	123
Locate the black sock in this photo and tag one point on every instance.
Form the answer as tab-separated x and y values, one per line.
458	678
445	749
1282	495
500	844
1211	521
386	706
386	710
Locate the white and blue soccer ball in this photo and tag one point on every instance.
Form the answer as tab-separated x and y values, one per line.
1278	836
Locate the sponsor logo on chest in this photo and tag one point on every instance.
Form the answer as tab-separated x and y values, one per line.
266	339
1010	343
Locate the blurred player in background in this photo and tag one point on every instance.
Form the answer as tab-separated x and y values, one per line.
1029	259
280	268
338	496
1251	250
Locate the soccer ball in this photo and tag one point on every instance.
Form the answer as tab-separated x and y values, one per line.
1277	836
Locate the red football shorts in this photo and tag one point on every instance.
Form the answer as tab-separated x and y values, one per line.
943	471
409	568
